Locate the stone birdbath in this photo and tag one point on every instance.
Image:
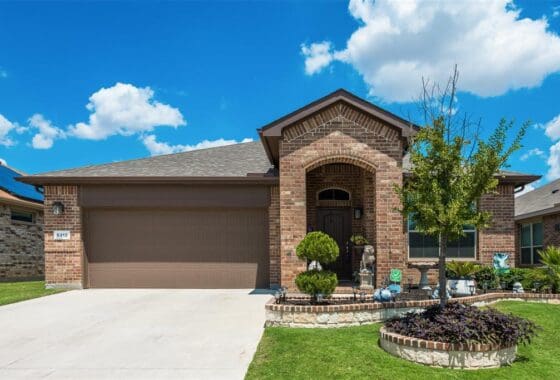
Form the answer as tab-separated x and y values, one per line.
423	267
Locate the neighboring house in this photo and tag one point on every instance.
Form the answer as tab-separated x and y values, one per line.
21	228
537	214
231	217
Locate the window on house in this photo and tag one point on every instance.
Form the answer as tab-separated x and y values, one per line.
333	195
424	246
531	242
22	216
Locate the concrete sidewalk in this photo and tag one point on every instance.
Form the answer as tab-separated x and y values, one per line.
132	333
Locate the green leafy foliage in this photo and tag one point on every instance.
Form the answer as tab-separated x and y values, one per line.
358	240
550	258
461	269
486	274
450	172
314	282
318	246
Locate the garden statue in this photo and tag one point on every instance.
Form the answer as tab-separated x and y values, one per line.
500	262
314	265
366	268
517	287
383	295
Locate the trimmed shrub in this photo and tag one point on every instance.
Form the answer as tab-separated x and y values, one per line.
456	323
314	282
318	246
487	275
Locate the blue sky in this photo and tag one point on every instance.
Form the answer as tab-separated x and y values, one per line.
167	77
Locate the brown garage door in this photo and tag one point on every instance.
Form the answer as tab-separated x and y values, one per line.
170	248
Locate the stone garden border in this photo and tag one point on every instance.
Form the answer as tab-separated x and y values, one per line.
328	316
439	354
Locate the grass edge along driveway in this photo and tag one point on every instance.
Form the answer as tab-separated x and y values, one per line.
11	292
354	353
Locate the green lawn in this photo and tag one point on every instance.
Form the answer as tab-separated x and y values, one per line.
354	353
11	292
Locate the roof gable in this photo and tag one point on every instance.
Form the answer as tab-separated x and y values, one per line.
271	133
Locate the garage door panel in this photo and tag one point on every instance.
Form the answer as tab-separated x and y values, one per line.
175	275
177	248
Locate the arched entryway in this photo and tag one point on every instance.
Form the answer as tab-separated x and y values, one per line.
340	202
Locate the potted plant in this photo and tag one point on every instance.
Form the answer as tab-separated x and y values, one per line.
358	242
460	276
318	248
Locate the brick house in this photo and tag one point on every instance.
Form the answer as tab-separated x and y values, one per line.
21	228
537	214
232	216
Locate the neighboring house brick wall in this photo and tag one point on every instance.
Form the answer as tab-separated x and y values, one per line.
63	259
21	246
342	134
274	235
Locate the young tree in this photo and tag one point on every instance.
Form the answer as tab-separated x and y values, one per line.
452	168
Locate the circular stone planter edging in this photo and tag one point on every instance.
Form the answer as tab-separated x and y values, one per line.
449	355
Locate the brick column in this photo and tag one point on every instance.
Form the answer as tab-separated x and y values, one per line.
274	236
63	258
390	250
500	236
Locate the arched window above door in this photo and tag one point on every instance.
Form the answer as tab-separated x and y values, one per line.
333	194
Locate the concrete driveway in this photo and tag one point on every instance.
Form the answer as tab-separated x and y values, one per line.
132	333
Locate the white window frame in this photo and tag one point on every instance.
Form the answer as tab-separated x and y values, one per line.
532	245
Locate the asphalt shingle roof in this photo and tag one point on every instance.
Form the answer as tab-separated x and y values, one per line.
236	160
543	198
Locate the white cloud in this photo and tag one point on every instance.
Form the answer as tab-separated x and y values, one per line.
6	126
552	128
125	110
533	152
156	147
527	188
317	56
399	42
47	133
553	162
3	162
556	11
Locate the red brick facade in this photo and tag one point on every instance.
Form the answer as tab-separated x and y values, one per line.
343	135
337	147
551	230
64	263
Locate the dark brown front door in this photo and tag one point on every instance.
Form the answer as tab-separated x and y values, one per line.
337	223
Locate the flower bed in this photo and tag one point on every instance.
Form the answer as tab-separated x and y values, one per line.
352	314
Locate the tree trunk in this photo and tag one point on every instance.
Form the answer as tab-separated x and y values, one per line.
442	277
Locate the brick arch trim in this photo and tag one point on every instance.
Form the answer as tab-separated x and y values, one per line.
339	159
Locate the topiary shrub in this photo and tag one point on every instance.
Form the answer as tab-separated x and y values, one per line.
456	323
315	282
318	246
